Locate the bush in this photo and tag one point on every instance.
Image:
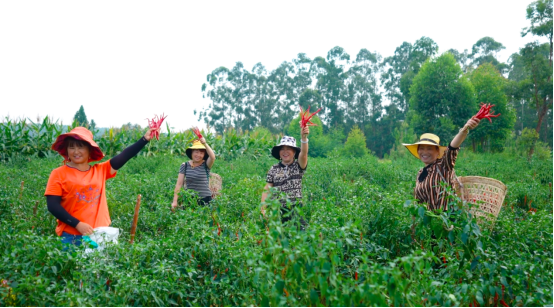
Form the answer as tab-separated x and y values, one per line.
526	141
318	141
542	151
366	243
261	133
355	144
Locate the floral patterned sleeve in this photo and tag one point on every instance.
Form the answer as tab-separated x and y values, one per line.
270	175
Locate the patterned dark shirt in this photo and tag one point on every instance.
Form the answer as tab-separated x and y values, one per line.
287	179
428	189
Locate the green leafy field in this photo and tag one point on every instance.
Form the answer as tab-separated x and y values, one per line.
367	242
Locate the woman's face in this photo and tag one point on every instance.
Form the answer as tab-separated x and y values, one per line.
198	155
287	154
428	154
78	153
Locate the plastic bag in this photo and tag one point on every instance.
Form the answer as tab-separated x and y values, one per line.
103	236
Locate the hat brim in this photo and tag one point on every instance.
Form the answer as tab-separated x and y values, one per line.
275	151
59	146
189	152
413	148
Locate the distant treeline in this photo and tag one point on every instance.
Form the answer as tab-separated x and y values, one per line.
393	99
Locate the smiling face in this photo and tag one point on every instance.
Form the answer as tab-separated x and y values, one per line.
287	154
198	155
428	154
78	151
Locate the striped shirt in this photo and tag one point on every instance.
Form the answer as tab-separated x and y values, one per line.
197	178
428	189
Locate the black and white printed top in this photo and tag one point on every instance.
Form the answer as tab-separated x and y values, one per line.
287	179
197	178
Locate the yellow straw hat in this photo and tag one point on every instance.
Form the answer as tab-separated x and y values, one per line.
430	139
196	145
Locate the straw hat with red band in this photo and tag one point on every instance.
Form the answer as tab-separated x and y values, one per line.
79	133
429	139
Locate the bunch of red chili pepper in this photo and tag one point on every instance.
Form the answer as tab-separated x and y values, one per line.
485	112
306	117
196	131
156	123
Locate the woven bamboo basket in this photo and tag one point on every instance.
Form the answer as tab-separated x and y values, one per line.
487	193
215	184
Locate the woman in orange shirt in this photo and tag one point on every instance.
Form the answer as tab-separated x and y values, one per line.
76	192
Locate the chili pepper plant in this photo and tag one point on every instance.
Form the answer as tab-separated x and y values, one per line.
367	243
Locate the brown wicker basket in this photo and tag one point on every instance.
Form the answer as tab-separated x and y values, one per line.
215	184
487	193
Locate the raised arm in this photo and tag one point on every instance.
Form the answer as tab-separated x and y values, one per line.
122	158
303	156
461	136
210	152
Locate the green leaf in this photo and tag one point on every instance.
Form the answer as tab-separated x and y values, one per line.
479	297
464	237
474	263
279	286
265	301
314	297
421	211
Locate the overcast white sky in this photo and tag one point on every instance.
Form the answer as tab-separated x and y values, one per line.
128	60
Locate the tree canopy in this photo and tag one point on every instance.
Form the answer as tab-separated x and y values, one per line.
389	99
81	117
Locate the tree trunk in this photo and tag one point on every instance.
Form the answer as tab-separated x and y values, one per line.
550	60
541	113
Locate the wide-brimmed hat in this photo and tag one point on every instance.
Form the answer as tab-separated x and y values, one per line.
79	133
196	145
288	141
430	139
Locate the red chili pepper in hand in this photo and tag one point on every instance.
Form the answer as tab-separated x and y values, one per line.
485	112
196	131
306	117
156	123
